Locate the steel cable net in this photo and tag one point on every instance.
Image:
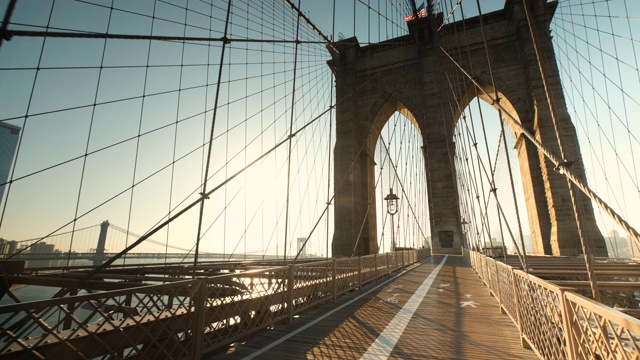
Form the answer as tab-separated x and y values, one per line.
108	109
120	129
597	47
488	210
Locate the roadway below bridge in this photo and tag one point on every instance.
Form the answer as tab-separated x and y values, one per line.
439	309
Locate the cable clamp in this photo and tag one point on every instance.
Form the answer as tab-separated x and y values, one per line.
204	196
565	164
225	40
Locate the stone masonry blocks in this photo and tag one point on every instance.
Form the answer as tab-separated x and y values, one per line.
409	74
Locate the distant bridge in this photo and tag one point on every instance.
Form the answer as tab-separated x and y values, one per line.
135	255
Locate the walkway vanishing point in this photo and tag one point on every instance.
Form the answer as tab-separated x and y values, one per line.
436	309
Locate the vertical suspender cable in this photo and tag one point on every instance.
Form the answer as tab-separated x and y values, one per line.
175	130
86	150
506	150
585	242
26	117
293	102
333	35
213	123
137	153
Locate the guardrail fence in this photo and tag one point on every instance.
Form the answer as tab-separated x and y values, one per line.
555	322
184	319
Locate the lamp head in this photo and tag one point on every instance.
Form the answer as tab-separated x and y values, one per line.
392	202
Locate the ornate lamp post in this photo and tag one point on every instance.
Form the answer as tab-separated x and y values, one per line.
464	224
392	209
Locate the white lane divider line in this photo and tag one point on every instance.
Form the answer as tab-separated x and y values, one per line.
384	344
329	313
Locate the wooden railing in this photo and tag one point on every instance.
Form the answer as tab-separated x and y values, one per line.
554	321
184	319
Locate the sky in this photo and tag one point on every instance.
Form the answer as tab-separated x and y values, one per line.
146	155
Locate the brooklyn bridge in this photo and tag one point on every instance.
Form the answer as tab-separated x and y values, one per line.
284	179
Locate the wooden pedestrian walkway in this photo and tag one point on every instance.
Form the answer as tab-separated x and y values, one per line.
436	310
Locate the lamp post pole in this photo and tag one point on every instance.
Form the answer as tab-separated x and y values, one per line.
393	241
464	224
392	209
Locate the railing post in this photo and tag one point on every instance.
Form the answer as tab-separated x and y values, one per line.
572	346
360	272
199	304
484	270
499	292
334	280
290	286
388	271
397	266
516	296
489	279
375	265
70	308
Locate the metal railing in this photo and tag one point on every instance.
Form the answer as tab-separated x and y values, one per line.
184	319
555	322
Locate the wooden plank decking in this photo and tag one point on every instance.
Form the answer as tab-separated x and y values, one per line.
456	319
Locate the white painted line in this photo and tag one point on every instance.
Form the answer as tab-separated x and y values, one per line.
384	344
311	323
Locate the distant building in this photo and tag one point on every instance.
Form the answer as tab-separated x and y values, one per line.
42	248
621	247
8	142
7	247
495	251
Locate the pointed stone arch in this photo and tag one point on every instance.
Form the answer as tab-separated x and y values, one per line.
384	113
475	92
528	161
355	197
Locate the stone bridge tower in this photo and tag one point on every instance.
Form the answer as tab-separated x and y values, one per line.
407	74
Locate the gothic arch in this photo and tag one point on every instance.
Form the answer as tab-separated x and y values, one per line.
475	92
528	161
382	116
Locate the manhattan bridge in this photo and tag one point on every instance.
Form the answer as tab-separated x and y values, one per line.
191	179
